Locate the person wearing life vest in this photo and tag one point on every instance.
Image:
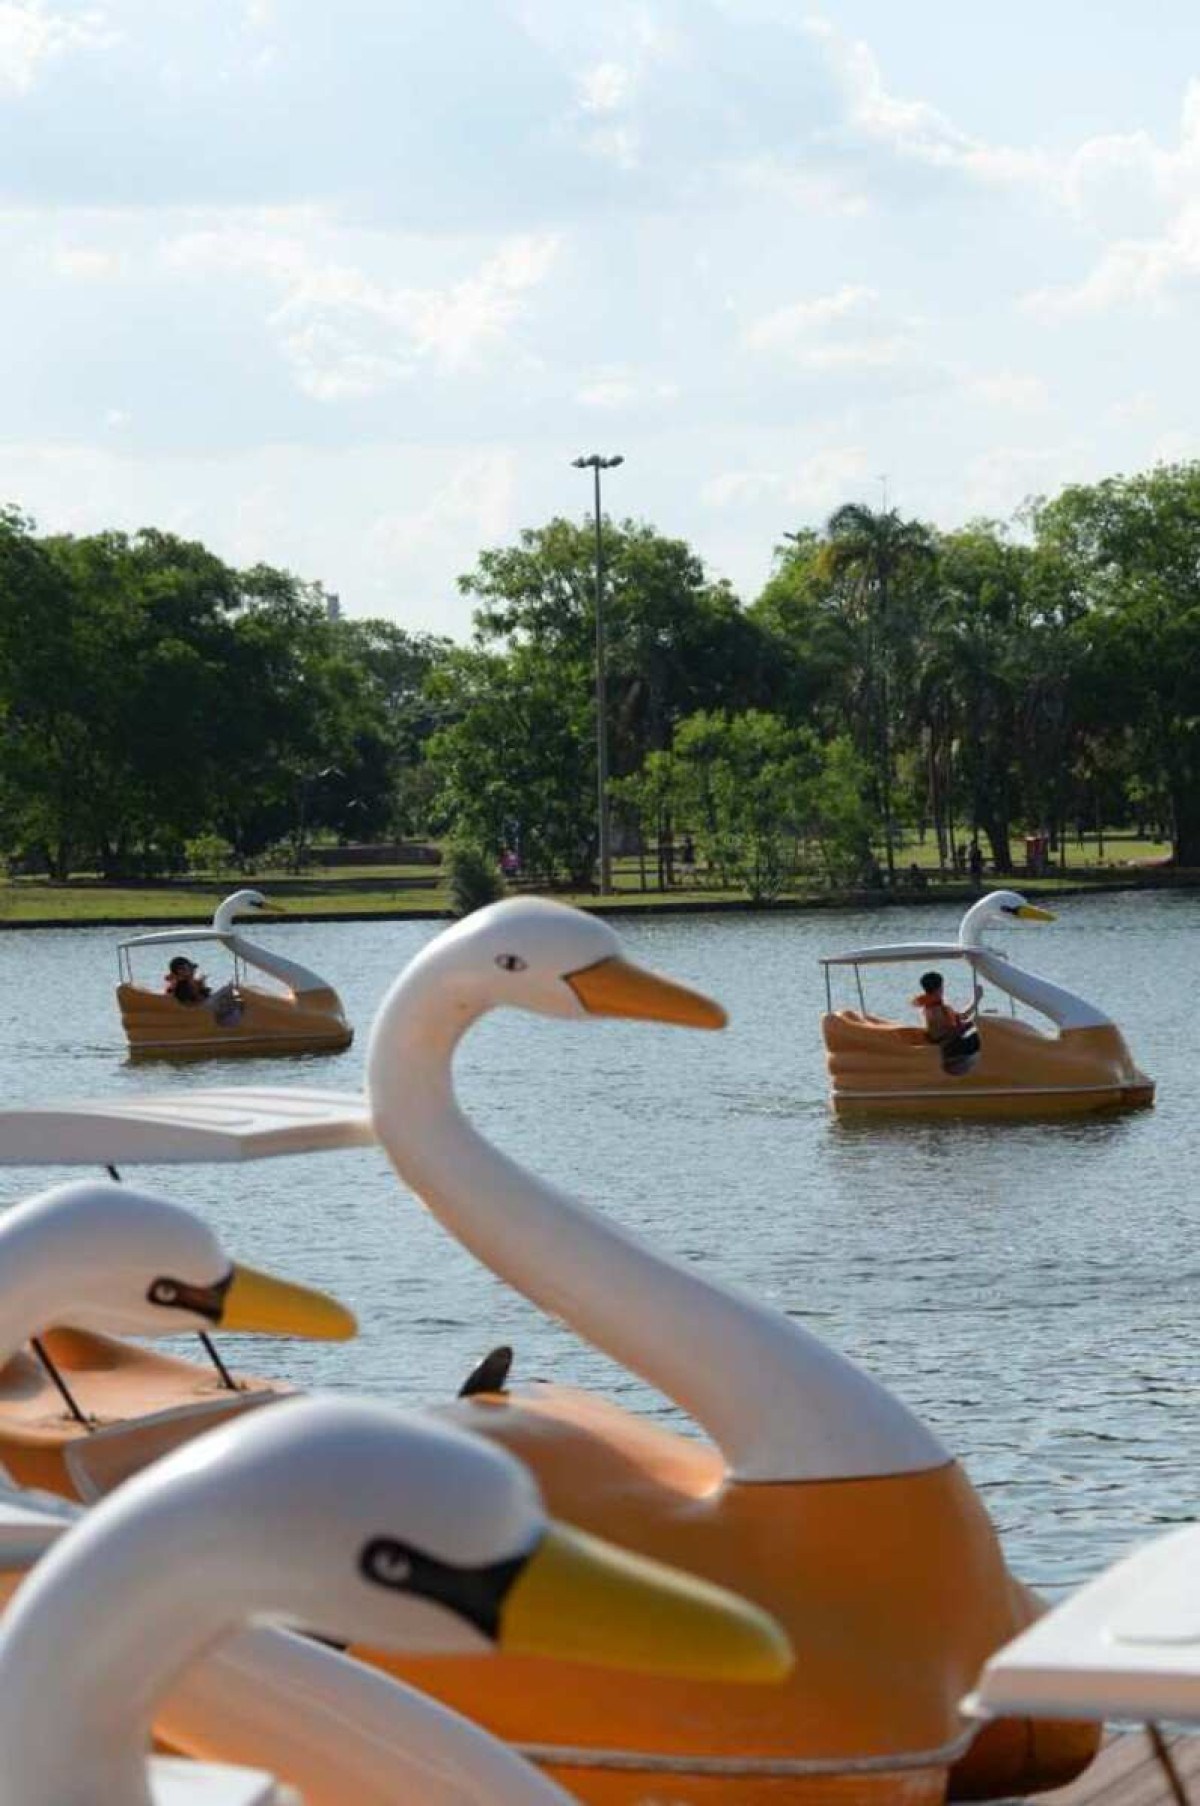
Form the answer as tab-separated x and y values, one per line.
942	1023
184	983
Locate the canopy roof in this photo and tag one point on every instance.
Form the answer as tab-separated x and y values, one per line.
178	1128
900	951
1127	1645
167	937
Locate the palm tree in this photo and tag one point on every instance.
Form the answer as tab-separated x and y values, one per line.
875	555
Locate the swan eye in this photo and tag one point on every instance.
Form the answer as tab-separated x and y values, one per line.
476	1594
178	1294
511	962
387	1562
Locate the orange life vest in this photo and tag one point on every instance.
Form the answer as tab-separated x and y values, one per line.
941	1020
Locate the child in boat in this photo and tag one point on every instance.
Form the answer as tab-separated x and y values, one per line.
942	1023
184	983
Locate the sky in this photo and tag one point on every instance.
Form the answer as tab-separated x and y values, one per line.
345	287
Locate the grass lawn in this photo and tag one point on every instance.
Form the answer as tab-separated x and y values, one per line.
1120	850
29	901
420	889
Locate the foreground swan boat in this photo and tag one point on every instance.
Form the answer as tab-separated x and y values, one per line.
350	1519
879	1067
819	1495
305	1016
268	1698
85	1263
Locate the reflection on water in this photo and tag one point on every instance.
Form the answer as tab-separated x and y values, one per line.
1030	1290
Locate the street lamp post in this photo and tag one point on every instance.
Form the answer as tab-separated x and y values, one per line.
595	463
307	779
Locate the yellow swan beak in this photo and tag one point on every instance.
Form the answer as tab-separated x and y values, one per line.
261	1304
579	1599
1031	913
616	987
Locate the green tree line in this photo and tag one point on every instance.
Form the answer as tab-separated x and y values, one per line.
890	678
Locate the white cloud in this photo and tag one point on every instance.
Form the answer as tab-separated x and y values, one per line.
788	325
1140	196
86	263
347	333
843	330
813	488
31	35
1145	272
606	87
1007	389
610	390
473	505
620	145
1138	406
811	190
997	481
913	128
1175	447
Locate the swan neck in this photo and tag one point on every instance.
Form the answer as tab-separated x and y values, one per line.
298	979
36	1290
775	1400
137	1595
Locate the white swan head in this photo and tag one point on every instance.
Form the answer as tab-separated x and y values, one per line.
364	1523
993	908
110	1258
533	954
243	903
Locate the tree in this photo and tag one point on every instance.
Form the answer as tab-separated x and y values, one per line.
971	681
676	641
1132	548
814	639
879	560
513	765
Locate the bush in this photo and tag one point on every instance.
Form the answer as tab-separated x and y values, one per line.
208	853
472	877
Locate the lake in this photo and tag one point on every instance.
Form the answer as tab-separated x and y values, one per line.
1029	1290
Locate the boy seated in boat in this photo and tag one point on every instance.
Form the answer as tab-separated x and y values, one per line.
952	1030
942	1023
184	983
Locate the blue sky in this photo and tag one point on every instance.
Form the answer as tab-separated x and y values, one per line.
345	288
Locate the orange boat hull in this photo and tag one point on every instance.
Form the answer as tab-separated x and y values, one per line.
883	1068
893	1591
157	1026
141	1404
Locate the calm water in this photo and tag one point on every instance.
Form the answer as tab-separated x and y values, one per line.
1031	1291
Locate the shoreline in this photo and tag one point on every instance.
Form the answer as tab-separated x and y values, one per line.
670	905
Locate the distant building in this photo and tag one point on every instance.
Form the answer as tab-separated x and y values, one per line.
333	606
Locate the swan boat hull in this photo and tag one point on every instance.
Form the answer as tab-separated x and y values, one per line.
139	1404
263	1022
892	1590
882	1068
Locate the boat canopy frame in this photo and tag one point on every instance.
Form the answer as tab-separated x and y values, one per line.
169	938
899	954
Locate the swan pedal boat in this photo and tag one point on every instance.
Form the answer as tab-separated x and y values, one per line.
878	1067
305	1016
815	1493
82	1266
351	1519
